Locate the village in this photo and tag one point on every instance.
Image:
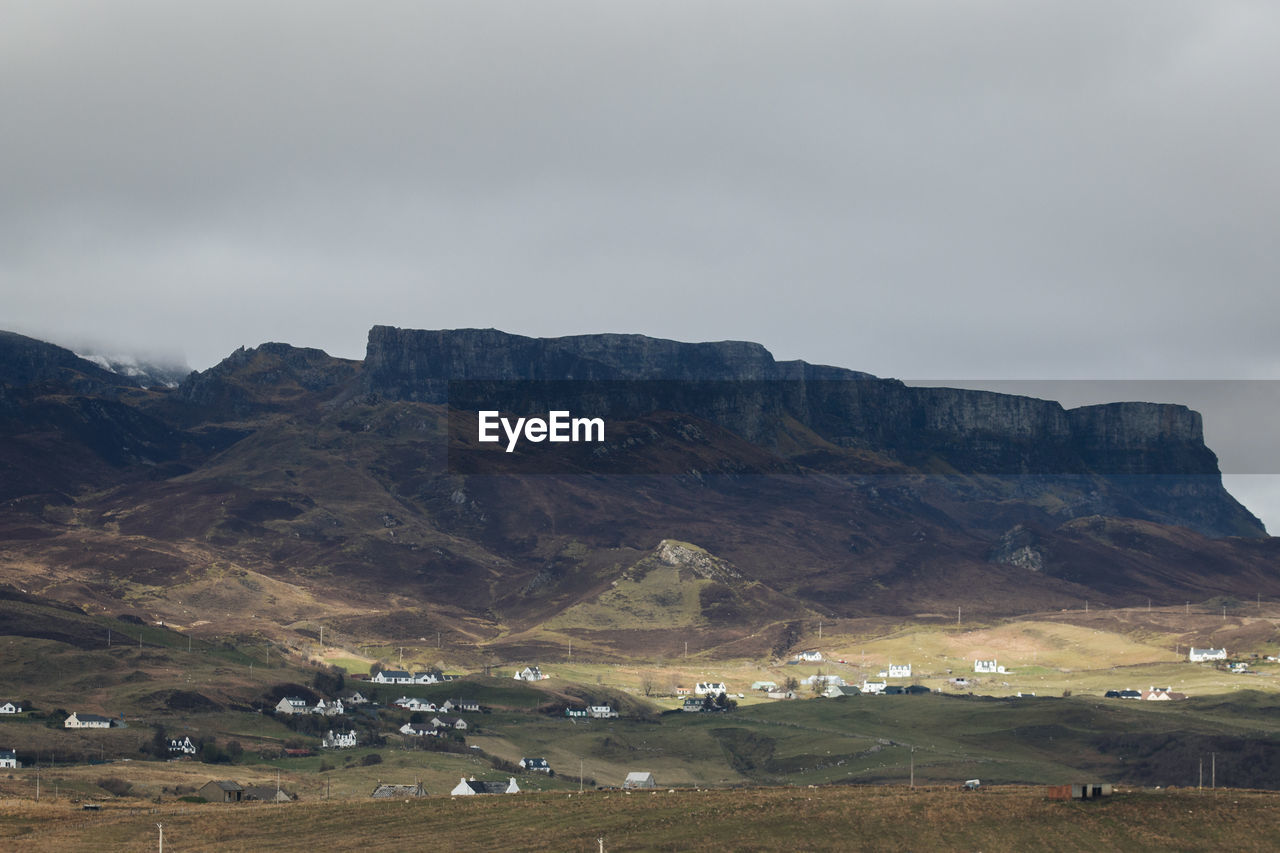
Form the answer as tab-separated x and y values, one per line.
389	710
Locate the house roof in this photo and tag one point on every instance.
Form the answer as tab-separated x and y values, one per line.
225	784
91	718
395	673
534	762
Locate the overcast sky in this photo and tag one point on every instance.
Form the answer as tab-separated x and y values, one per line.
969	190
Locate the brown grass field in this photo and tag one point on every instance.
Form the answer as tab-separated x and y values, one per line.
793	818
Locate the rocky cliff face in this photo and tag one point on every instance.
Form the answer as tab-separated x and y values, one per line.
1143	459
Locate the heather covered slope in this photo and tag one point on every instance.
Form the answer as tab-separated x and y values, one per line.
284	485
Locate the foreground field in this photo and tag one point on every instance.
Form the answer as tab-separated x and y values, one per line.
825	818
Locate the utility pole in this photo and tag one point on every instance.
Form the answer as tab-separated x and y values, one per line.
1200	786
913	767
1086	605
1213	771
579	775
819	629
957	615
160	826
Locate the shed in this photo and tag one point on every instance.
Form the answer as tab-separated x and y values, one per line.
639	779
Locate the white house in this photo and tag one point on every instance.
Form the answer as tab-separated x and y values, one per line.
86	721
468	787
425	678
419	730
639	779
292	705
825	680
529	673
538	765
340	740
413	703
357	699
8	758
873	686
10	707
601	712
182	746
332	709
810	656
989	667
1207	654
392	676
899	670
715	688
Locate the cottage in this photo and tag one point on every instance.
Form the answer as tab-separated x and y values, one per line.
989	667
639	779
425	678
182	746
715	688
267	794
575	712
10	706
87	721
221	791
529	673
469	787
1162	694
682	691
357	699
810	656
340	740
1198	655
874	686
601	712
413	703
470	706
449	723
899	670
419	730
8	758
392	676
292	705
535	765
331	709
764	686
394	792
692	705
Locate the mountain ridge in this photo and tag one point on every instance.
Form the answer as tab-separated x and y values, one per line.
325	484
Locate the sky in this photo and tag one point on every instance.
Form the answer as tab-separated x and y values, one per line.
968	190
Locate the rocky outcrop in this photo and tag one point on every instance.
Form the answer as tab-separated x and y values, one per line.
267	377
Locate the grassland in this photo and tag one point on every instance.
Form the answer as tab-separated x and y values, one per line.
752	819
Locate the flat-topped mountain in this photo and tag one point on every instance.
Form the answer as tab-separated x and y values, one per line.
284	484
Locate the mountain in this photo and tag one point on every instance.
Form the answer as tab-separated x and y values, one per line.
734	497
